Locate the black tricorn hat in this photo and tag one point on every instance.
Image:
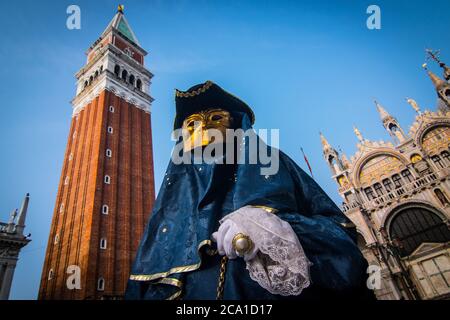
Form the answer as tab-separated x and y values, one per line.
205	96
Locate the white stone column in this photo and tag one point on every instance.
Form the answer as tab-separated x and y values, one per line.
7	282
2	271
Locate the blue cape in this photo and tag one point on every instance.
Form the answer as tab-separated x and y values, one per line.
176	259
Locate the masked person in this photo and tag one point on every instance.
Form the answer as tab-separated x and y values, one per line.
224	230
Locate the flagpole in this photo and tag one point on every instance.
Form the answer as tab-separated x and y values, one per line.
307	162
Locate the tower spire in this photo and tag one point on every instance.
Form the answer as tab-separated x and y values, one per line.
22	214
390	124
438	82
119	24
331	156
383	113
442	89
435	56
325	144
344	158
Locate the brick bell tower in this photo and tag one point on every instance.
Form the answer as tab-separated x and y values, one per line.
106	190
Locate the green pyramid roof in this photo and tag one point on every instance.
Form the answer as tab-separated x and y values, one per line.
120	23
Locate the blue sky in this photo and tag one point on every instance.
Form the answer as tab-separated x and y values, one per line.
303	66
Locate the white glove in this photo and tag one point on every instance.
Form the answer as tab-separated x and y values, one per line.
224	238
277	261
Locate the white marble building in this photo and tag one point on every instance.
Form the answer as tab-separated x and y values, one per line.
397	194
12	240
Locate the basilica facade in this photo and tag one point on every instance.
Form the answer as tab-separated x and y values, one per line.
397	193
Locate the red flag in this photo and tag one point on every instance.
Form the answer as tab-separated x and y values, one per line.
307	162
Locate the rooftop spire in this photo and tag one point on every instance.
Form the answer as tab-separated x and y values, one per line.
438	82
120	23
383	113
323	139
442	89
435	56
22	214
331	156
325	144
344	158
390	124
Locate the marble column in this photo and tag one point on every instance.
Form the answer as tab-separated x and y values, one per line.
6	282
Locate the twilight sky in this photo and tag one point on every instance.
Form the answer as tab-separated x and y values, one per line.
303	66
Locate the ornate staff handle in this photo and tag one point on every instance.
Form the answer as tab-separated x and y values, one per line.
241	244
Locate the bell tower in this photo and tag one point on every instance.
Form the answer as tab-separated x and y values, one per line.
106	190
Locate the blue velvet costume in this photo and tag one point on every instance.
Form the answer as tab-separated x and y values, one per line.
176	258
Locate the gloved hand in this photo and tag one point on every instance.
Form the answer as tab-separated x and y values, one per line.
224	238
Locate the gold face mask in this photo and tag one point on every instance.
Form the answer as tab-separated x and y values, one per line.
199	126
